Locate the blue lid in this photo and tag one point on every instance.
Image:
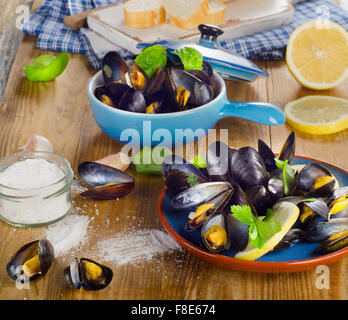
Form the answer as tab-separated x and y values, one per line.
227	64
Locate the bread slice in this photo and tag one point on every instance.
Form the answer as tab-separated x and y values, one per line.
143	13
187	14
216	14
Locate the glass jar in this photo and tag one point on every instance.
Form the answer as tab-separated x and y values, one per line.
40	206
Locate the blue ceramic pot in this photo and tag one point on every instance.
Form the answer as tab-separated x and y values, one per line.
179	127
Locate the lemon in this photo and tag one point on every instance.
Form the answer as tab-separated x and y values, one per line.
286	213
316	54
318	114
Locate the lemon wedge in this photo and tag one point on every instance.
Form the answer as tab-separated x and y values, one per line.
316	54
318	114
286	213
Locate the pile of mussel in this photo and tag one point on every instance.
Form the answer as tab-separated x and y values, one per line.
34	260
251	177
170	88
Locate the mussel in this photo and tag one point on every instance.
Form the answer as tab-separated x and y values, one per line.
287	152
238	231
335	242
293	236
105	182
314	180
31	261
88	274
214	233
318	231
115	68
204	199
218	158
248	168
180	174
338	203
184	88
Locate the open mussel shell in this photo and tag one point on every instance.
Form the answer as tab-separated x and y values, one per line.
137	76
115	91
31	261
88	274
335	242
309	209
319	231
179	173
338	203
105	182
248	168
267	155
314	180
214	233
288	150
218	158
115	68
184	89
201	193
155	83
133	100
293	236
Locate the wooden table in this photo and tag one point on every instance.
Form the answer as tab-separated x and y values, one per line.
60	111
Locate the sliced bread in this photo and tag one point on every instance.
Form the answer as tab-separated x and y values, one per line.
187	14
143	13
216	14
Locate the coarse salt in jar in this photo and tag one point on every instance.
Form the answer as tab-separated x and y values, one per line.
35	189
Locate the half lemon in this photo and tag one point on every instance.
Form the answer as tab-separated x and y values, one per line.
316	54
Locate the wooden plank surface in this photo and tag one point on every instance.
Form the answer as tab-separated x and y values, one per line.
60	111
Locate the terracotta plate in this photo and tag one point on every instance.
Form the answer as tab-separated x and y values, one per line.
297	258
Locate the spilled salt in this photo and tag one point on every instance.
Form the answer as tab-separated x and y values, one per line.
136	246
68	233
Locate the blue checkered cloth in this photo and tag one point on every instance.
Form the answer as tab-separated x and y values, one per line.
47	24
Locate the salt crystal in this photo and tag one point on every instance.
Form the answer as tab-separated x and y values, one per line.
137	246
68	234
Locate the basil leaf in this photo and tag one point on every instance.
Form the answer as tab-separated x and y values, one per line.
47	67
190	58
151	58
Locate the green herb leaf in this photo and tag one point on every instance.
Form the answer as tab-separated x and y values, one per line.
243	214
149	160
190	58
192	180
199	162
260	228
47	67
151	58
288	175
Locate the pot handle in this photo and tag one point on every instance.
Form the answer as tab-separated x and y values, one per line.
261	112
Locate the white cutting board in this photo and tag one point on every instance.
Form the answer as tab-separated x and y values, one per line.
243	17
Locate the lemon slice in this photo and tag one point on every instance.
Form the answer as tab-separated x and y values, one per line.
318	114
316	54
286	213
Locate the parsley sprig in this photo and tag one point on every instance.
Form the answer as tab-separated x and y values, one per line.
260	228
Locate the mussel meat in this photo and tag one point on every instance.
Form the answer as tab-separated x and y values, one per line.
31	261
214	233
88	274
105	182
